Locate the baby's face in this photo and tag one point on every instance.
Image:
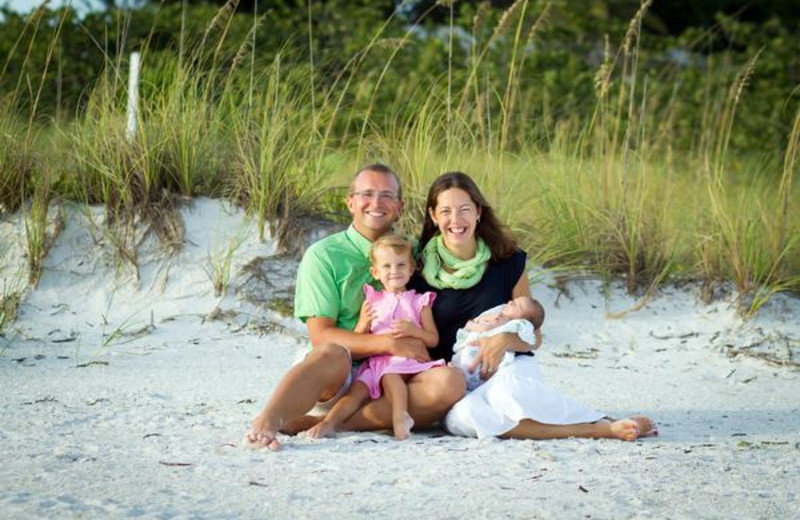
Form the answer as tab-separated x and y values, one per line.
518	308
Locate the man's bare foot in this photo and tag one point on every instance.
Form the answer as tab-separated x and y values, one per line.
263	433
321	429
402	425
301	424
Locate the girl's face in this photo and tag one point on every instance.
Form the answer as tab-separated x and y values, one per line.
456	216
393	269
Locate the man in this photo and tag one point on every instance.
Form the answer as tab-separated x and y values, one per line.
328	299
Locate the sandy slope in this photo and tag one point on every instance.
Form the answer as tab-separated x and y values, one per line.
120	400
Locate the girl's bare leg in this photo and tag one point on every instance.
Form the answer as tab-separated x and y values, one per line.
341	411
394	386
430	396
318	377
623	429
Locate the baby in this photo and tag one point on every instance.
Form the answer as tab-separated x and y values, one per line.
523	316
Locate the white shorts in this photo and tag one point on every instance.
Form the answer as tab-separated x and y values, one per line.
323	407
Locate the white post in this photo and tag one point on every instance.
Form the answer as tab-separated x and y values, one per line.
133	96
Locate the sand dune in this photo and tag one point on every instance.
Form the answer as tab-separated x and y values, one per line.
126	397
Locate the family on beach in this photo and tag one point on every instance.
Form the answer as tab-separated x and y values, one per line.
397	347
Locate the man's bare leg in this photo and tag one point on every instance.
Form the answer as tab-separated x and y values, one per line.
396	391
430	396
318	377
623	429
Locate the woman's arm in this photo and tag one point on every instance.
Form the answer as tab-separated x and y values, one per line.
494	347
522	287
324	330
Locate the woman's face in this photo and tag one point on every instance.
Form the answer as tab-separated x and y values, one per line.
456	216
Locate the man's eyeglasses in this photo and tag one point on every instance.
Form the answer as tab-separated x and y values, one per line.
383	196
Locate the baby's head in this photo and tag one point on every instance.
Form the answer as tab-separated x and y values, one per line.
526	308
392	261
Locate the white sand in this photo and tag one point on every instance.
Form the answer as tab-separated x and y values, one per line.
120	401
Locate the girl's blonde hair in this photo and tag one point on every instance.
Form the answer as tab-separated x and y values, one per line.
398	243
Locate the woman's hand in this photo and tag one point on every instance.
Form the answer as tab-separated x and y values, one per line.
492	350
538	334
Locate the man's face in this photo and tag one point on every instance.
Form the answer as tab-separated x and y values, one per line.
374	203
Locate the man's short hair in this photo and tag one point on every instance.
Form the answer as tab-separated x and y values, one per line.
379	168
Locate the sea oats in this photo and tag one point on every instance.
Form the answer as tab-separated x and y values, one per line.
247	44
220	19
635	25
602	79
484	8
744	76
540	21
508	18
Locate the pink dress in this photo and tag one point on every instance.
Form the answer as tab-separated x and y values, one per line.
389	307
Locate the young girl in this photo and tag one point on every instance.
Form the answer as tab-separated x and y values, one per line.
394	310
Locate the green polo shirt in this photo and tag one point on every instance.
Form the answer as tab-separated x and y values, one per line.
331	276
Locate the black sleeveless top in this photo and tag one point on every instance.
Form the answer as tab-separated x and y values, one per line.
452	308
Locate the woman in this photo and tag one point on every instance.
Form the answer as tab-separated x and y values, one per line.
471	261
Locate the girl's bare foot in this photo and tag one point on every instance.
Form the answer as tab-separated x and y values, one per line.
402	424
321	429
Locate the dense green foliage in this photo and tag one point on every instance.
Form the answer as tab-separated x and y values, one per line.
52	63
611	142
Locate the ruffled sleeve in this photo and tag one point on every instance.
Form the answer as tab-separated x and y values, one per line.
370	294
424	299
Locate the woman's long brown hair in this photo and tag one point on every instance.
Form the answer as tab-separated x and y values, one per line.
496	235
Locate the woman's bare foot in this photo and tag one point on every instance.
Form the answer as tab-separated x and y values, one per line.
633	427
625	429
647	428
321	429
402	424
263	433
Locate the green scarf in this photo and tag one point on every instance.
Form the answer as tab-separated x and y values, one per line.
463	273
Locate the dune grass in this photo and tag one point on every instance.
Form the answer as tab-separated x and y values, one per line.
617	192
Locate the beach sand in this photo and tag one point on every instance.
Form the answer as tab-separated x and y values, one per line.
129	399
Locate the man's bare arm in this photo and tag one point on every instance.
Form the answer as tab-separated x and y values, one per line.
324	330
